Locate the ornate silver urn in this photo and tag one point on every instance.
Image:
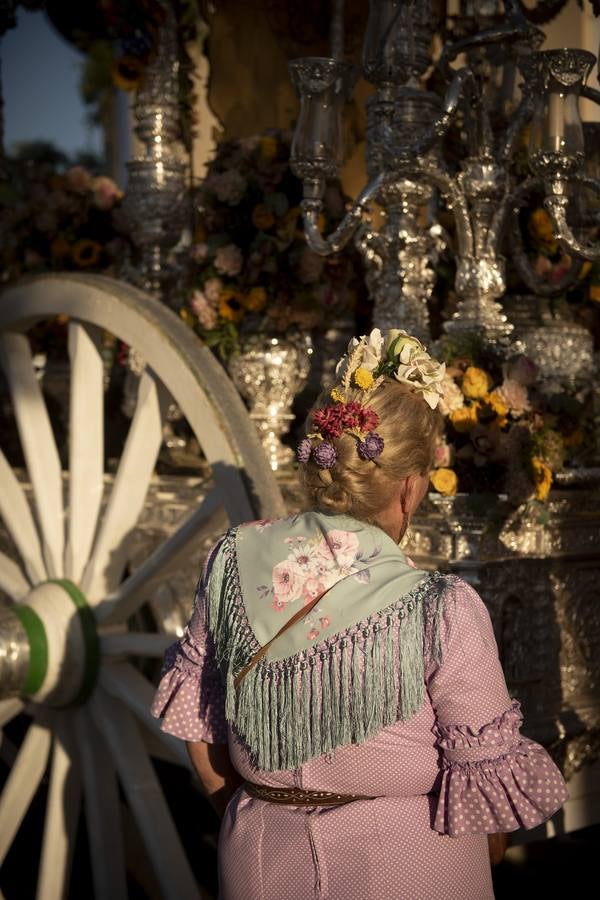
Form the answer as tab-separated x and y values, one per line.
269	372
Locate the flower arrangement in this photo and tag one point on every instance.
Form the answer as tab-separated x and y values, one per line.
505	432
368	361
251	267
59	220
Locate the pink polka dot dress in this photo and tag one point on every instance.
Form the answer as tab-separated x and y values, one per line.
441	780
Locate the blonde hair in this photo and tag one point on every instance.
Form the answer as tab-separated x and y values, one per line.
361	487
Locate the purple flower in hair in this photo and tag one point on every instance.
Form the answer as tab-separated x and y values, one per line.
303	450
324	455
371	447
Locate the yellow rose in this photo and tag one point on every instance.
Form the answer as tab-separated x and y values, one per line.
465	418
363	378
444	481
476	383
542	231
255	300
262	217
585	270
337	396
595	292
542	478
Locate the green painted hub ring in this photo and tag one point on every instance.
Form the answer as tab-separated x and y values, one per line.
87	621
38	647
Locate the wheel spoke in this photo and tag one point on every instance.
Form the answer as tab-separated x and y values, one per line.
103	572
9	709
102	811
123	681
208	519
12	580
39	447
22	783
146	799
86	444
62	814
134	643
17	517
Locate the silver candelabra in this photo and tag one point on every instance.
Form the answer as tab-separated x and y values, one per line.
407	167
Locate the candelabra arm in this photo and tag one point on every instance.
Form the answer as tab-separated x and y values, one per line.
311	207
515	29
556	203
455	201
523	266
518	122
590	94
511	202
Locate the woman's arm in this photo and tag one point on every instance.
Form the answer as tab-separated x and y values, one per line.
218	778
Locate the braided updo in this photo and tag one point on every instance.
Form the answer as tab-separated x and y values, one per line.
362	487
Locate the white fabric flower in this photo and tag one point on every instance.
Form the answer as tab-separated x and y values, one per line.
452	397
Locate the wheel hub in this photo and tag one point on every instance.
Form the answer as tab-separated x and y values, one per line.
62	650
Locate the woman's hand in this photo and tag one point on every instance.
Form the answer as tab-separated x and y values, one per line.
497	844
218	778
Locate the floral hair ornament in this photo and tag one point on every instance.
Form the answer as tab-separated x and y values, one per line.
364	366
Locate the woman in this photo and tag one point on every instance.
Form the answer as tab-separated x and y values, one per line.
373	749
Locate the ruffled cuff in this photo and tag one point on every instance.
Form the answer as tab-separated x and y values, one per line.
515	785
189	698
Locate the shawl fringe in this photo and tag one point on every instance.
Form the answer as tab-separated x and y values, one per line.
339	691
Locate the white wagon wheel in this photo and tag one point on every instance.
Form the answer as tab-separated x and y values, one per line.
64	639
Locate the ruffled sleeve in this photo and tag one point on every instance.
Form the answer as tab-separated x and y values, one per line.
190	697
493	778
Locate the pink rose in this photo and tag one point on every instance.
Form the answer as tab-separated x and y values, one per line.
338	547
523	370
287	581
205	313
78	179
312	634
212	289
443	456
325	621
106	193
514	395
228	260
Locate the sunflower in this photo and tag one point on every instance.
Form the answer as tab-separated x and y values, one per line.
230	306
127	72
86	253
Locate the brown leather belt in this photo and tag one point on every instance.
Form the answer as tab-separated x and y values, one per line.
294	796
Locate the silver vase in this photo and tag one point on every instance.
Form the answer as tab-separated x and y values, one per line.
269	372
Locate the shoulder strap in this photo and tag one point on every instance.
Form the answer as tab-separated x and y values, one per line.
300	614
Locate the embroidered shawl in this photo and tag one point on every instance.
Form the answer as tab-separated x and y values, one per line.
352	666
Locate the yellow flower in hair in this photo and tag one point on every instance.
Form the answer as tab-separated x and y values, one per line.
337	396
476	383
542	478
445	481
363	378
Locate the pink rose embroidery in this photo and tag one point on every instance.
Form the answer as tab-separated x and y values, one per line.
312	588
287	581
325	621
312	634
340	548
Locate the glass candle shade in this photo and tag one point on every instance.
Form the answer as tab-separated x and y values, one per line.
397	40
556	145
324	86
